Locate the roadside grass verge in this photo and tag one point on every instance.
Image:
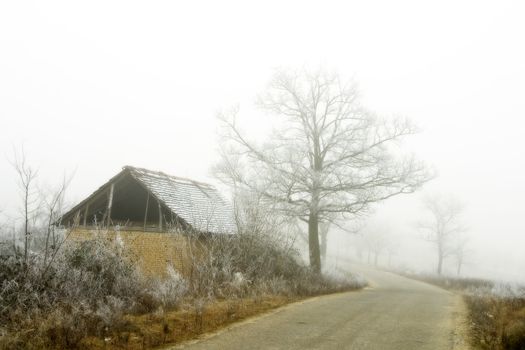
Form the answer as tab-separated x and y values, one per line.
496	311
497	322
92	296
171	327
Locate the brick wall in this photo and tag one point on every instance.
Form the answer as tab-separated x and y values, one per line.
151	251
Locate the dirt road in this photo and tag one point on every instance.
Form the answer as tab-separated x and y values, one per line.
393	313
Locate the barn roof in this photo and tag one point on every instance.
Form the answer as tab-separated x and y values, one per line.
198	204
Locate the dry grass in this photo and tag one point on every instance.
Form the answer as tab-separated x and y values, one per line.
193	318
496	312
496	322
157	329
95	298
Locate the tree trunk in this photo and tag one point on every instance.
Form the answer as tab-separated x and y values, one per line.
440	263
460	262
313	242
359	253
324	242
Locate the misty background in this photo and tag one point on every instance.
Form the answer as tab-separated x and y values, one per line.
89	88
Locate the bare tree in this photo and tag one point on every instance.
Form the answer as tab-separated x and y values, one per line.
376	241
331	159
392	249
460	252
52	207
41	210
30	200
443	226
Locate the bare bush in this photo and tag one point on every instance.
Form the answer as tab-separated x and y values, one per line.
170	290
261	259
57	292
253	264
87	290
496	310
497	323
89	287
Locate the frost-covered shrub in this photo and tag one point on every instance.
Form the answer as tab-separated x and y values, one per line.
170	290
275	286
508	290
111	310
86	289
93	271
250	264
231	265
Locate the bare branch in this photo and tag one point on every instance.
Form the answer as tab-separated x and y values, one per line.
333	158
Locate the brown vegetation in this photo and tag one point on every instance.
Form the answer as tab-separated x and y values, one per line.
155	329
92	296
496	311
497	322
57	292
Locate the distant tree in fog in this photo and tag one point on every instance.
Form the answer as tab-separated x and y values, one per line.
377	245
376	240
460	252
392	249
443	226
330	160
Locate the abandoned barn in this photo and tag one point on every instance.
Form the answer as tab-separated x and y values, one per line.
137	198
152	214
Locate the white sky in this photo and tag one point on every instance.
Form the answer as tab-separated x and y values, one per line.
92	86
